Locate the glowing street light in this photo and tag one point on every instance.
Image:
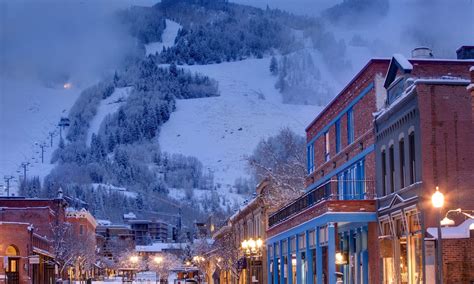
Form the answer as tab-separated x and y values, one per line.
251	246
437	199
134	259
158	259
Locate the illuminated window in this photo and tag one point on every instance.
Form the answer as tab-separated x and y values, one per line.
11	251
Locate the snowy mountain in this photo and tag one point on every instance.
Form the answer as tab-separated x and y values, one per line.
177	119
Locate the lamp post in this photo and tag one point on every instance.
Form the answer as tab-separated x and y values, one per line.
134	260
437	199
252	249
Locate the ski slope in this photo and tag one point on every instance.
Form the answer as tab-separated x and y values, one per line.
168	37
222	131
29	111
108	106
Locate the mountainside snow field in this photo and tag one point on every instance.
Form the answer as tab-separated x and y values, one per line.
108	106
28	112
222	131
167	38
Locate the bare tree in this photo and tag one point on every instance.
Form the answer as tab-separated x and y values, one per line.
163	264
226	251
282	160
73	250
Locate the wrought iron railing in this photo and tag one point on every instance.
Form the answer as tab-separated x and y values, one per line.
331	190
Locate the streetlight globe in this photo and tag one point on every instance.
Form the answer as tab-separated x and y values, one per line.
259	243
134	259
245	244
158	259
251	243
437	199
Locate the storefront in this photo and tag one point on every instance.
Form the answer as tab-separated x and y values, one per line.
401	246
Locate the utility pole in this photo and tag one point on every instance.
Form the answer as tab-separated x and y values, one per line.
51	135
42	146
7	181
24	165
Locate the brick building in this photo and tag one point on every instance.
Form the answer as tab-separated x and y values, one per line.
424	139
112	240
83	230
335	220
228	261
26	238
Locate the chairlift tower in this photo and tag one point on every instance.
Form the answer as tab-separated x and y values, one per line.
7	181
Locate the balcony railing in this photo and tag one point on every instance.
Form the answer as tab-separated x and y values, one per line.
331	190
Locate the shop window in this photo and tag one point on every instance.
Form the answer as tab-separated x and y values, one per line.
293	244
312	239
323	236
302	241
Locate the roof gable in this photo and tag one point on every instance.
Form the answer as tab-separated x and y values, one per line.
398	62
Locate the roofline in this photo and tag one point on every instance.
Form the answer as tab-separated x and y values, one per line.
464	46
370	62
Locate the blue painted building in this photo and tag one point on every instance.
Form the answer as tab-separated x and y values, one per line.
330	233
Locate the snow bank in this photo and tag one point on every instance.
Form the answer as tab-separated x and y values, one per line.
108	106
168	37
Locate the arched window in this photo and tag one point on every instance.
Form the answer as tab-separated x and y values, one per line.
11	251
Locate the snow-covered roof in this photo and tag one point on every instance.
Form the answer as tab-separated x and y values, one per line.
443	80
104	222
244	205
129	215
403	62
463	231
158	247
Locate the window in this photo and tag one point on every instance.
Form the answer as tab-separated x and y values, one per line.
384	172
81	229
392	168
401	146
338	136
350	126
310	155
411	153
326	147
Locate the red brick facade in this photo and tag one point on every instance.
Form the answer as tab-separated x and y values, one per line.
363	123
458	260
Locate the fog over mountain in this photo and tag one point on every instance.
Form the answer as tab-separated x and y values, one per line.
442	25
55	40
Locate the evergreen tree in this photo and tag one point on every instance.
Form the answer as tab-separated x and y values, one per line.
274	66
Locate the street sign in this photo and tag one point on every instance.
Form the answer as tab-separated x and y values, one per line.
34	259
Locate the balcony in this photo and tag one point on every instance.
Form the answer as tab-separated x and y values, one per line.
332	190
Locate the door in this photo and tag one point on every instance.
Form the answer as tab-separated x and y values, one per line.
13	274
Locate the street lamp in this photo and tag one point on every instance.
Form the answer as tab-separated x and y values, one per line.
252	247
134	259
437	199
158	259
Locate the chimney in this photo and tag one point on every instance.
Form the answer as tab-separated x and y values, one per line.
422	52
465	52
